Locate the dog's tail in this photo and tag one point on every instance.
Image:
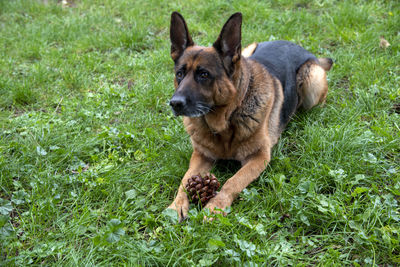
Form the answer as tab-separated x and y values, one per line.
326	63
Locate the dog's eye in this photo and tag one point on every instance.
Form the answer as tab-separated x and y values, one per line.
179	75
204	74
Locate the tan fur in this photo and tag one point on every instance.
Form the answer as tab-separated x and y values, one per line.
249	50
325	63
312	84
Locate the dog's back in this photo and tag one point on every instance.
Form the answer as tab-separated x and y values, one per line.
291	64
283	59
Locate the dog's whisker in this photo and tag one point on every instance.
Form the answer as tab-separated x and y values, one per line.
201	109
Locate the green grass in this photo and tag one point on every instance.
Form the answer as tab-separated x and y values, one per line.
91	155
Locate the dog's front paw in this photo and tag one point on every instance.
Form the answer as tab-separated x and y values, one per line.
181	206
218	203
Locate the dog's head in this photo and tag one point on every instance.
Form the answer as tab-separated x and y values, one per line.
204	75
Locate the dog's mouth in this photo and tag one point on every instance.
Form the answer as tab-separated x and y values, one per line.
192	110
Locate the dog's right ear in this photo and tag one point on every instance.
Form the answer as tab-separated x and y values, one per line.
179	34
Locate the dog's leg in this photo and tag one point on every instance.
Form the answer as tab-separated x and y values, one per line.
199	164
250	171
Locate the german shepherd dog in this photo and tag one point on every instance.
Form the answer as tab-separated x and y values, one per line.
235	104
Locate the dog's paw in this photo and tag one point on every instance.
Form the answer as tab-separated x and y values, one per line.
218	204
181	206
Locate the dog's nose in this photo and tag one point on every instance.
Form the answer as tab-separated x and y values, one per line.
177	102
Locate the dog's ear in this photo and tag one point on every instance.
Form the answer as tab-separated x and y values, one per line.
228	44
179	34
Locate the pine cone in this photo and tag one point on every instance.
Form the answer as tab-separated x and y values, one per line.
202	188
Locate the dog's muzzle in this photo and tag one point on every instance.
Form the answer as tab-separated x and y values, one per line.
182	105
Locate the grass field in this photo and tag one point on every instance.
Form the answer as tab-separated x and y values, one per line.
91	155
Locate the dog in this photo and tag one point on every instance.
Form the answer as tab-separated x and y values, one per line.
235	104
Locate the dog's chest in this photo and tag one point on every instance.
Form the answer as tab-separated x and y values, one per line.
218	146
233	143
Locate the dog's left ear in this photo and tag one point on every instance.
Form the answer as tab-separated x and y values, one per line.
228	44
